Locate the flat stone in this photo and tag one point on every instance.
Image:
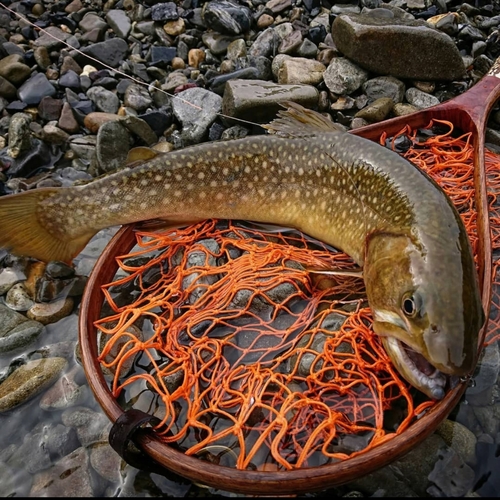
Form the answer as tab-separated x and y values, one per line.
398	47
110	52
35	89
51	312
94	120
376	111
52	42
259	100
71	476
301	70
29	380
419	99
119	22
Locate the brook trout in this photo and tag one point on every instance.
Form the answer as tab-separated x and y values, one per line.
349	192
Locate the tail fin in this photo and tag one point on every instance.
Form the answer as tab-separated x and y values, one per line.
22	232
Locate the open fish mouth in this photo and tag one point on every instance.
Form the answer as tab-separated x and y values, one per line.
416	369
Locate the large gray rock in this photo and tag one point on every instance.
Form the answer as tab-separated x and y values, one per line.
402	48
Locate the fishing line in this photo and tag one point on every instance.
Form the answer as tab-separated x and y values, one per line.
135	80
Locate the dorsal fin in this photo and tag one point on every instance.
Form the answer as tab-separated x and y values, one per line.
297	121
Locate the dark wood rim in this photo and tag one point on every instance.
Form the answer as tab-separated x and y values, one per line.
469	112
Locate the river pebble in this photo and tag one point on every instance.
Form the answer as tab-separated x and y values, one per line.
29	380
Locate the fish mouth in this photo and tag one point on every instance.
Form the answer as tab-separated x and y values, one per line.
416	369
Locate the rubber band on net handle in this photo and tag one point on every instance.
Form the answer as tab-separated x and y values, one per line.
122	435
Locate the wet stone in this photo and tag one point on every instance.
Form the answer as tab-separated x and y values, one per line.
197	258
64	393
162	55
55	269
94	120
460	438
51	312
70	476
159	121
9	276
487	370
18	299
15	481
92	21
20	336
106	462
28	381
118	345
91	427
451	475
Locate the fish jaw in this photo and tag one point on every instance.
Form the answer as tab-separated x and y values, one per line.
432	384
439	340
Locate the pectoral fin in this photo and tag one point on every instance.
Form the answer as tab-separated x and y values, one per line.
355	272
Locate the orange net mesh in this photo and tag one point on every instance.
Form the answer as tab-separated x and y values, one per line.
248	359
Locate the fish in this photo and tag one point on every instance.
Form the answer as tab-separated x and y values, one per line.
392	219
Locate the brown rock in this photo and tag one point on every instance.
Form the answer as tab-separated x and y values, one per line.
69	63
175	28
67	121
265	21
93	121
196	57
377	111
74	6
178	63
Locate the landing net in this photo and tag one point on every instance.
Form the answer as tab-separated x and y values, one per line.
249	360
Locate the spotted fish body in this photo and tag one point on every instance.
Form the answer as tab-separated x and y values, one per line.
347	191
317	185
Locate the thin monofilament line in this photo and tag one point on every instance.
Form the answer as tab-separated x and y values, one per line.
136	80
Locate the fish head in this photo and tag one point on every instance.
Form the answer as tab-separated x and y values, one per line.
426	308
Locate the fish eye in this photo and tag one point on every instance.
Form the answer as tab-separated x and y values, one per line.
411	304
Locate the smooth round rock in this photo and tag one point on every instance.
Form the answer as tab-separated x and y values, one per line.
29	380
50	312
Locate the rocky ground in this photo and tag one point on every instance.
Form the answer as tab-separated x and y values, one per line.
83	82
